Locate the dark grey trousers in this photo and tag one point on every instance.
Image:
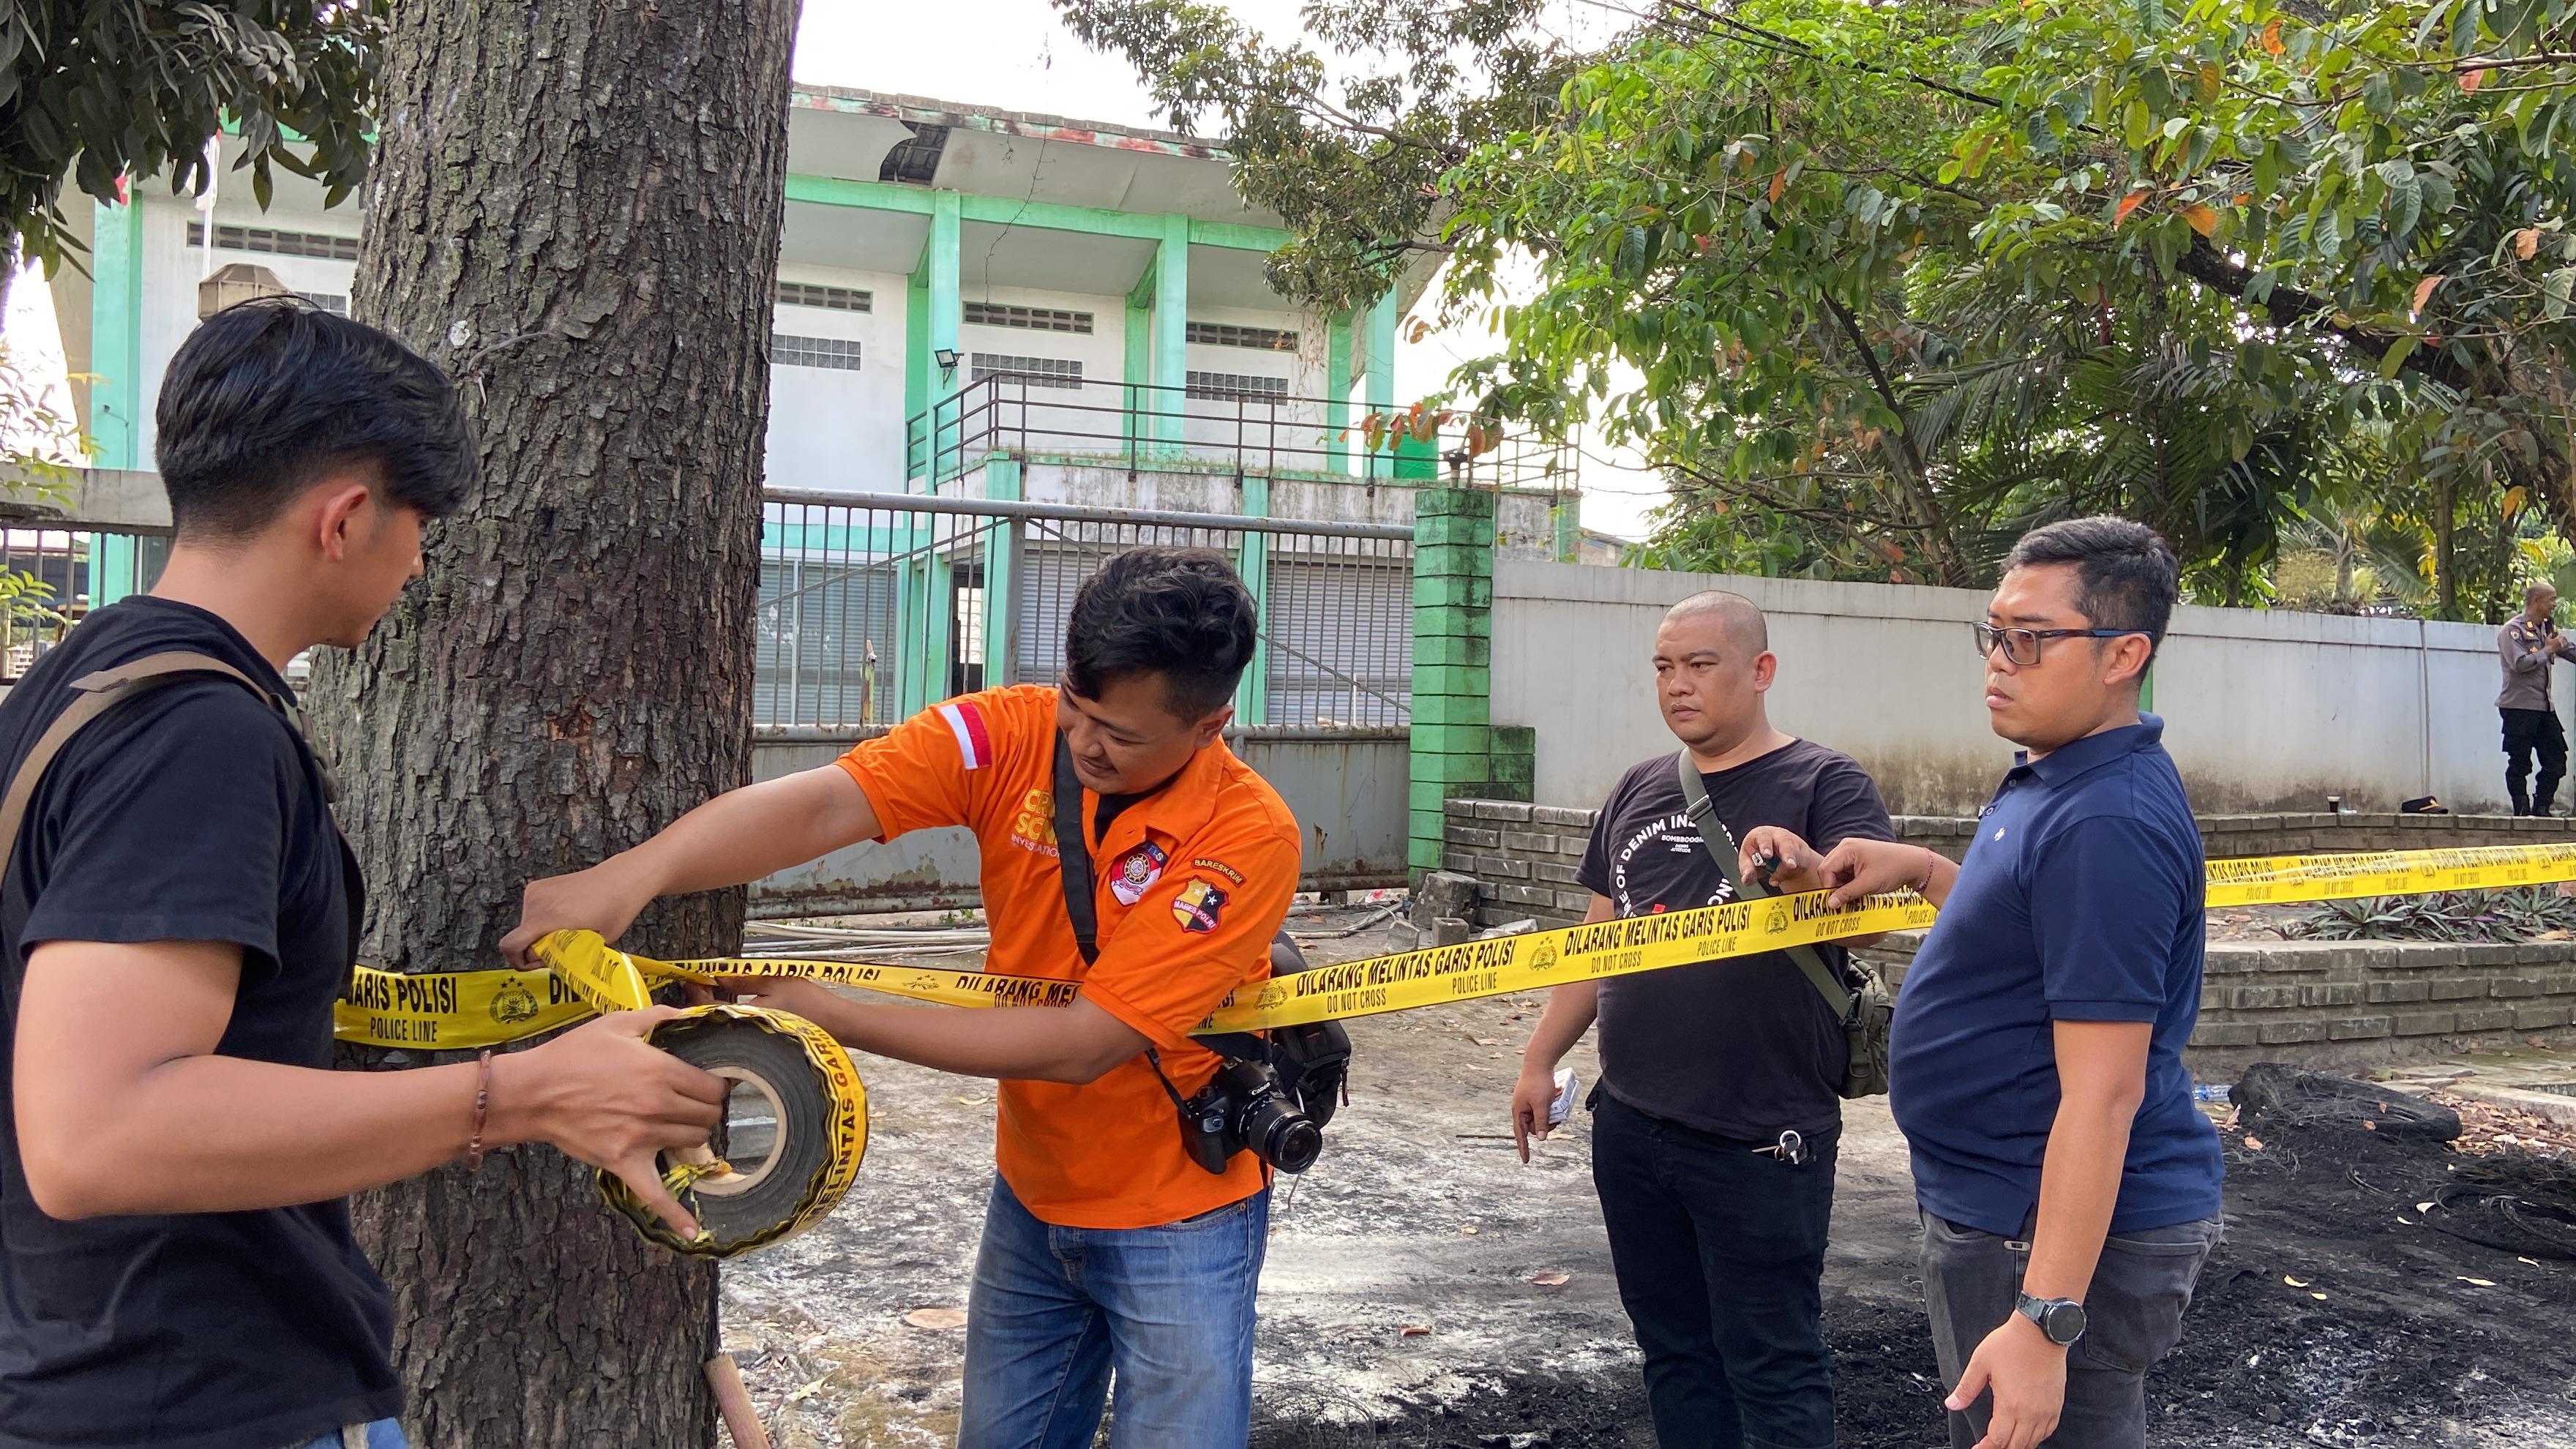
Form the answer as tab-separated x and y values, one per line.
2133	1316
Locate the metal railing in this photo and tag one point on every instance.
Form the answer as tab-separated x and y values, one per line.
50	578
1219	427
875	606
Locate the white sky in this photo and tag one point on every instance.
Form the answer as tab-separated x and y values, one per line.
1022	59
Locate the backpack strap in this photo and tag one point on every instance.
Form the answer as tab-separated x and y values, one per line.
94	695
1704	816
1073	855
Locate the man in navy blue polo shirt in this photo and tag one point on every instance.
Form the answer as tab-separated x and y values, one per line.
2069	1189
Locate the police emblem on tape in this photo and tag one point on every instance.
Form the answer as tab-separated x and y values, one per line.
1136	872
1197	905
513	1004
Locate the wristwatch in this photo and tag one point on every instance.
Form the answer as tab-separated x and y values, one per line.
2062	1319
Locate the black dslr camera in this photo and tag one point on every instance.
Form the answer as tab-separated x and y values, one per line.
1271	1096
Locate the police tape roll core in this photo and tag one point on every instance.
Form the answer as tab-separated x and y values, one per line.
817	1132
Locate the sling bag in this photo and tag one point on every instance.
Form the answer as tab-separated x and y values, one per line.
96	694
1866	1015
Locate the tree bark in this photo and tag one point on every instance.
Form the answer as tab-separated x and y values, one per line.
575	209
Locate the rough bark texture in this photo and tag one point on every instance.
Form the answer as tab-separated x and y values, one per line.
575	209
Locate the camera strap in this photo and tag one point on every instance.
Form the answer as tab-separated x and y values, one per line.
1703	816
1073	868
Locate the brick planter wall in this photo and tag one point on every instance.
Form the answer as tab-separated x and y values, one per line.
2353	1003
1524	855
2323	1003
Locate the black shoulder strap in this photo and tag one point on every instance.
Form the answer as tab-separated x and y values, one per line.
94	695
1073	855
1073	867
1704	817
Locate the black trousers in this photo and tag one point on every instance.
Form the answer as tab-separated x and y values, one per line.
2528	732
1720	1254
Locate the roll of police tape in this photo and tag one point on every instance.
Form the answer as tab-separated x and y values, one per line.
482	1008
787	1162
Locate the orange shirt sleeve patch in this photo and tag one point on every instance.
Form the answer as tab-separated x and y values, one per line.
1197	933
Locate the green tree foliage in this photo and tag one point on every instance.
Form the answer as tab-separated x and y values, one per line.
1879	287
1347	135
94	90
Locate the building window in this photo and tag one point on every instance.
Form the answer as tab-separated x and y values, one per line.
335	303
1226	334
277	243
1035	371
838	299
1031	319
1237	386
786	350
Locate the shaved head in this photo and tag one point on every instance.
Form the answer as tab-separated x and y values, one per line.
1745	627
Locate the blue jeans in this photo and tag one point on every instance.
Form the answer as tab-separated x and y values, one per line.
1056	1311
382	1434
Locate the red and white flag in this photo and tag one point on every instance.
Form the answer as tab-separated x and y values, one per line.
967	723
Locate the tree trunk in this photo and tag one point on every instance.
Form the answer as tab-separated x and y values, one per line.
2446	582
575	209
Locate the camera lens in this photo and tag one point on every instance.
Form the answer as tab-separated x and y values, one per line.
1294	1143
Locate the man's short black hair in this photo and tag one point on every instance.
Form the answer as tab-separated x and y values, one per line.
2126	575
1177	612
267	396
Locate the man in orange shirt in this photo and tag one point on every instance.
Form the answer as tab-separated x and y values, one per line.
1106	1245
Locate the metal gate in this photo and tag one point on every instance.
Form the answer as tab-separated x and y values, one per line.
874	607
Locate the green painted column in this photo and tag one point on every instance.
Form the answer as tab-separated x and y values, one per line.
116	398
1001	539
1380	363
1453	606
1252	696
947	311
1567	517
1337	393
920	380
1170	349
924	611
1137	362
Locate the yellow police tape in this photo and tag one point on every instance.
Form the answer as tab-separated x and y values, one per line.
583	974
466	1009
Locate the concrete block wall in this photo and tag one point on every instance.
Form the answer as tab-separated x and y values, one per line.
1524	855
2342	1004
2226	836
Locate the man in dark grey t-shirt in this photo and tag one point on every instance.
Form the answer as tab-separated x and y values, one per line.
1718	1242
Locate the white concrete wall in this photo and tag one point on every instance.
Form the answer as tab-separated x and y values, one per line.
172	269
2264	709
835	429
1293	432
1049	420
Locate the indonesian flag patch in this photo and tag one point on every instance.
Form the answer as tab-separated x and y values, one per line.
1136	873
966	722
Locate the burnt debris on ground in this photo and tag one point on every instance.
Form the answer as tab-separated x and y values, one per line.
1418	1219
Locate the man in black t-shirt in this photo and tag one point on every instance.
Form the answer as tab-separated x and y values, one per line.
176	1264
1718	1239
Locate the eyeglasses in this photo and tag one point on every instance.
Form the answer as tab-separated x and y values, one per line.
2021	646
